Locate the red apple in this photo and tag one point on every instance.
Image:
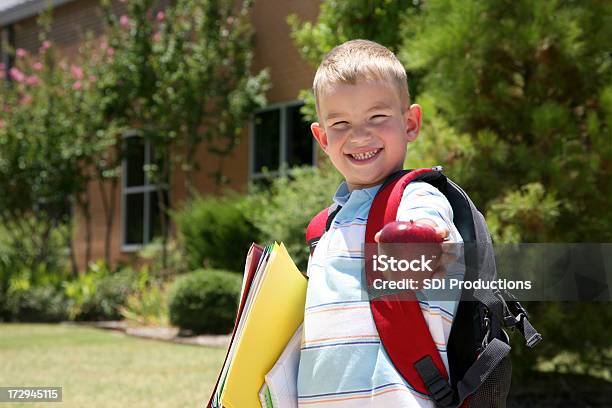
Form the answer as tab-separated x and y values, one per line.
408	231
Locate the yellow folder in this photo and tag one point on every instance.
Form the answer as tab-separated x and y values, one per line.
276	311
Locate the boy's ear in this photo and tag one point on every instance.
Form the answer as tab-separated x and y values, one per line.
413	122
319	133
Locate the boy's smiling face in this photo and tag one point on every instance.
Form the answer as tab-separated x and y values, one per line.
364	131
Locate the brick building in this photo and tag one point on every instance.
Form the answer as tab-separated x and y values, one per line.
277	134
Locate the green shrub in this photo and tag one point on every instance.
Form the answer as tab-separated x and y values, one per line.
98	294
112	293
215	233
153	255
39	262
205	301
36	304
570	328
148	305
282	211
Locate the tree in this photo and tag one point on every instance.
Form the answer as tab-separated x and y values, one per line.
182	77
340	21
49	130
529	88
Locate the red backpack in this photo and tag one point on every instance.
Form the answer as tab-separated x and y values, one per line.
480	369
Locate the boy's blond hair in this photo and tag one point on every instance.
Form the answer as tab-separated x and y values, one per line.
360	60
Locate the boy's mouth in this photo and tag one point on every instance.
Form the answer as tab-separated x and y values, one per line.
364	157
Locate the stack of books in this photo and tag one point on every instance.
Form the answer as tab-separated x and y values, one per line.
261	364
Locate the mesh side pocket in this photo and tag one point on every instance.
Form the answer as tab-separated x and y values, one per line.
494	391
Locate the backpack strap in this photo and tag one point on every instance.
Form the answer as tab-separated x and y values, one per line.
420	364
386	203
316	228
319	224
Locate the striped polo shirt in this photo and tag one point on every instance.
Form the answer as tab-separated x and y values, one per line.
342	361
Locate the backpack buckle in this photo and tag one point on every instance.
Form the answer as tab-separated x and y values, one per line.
441	392
516	315
513	311
439	389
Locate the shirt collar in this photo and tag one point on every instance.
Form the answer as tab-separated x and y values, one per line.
342	193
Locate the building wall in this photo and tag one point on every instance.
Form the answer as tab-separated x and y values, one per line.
70	23
274	49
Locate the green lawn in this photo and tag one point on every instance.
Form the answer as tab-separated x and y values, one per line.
99	368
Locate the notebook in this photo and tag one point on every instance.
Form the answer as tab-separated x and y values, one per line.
273	310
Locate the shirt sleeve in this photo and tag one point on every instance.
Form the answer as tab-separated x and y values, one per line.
422	200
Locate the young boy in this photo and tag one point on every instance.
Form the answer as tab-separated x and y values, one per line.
365	124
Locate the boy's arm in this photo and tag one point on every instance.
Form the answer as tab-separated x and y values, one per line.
424	203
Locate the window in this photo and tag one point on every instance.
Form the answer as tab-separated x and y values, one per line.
280	135
139	205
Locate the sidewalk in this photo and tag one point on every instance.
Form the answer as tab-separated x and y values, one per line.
170	334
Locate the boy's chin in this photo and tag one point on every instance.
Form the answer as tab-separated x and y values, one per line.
358	183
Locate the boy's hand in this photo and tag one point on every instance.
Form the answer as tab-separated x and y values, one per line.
405	252
441	231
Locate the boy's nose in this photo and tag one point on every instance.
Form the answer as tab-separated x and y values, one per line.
360	135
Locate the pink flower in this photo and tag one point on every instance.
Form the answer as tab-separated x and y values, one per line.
124	21
25	100
32	80
110	51
157	37
103	45
37	66
77	85
17	75
45	45
161	16
20	53
93	78
77	72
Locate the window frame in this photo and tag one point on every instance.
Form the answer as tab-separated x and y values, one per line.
147	188
284	137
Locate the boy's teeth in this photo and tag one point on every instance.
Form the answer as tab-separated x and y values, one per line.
364	156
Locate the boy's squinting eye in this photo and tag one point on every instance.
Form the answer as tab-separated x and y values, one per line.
379	117
339	124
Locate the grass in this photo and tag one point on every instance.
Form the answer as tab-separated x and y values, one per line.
99	368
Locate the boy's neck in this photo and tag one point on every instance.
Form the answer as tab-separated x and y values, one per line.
353	187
